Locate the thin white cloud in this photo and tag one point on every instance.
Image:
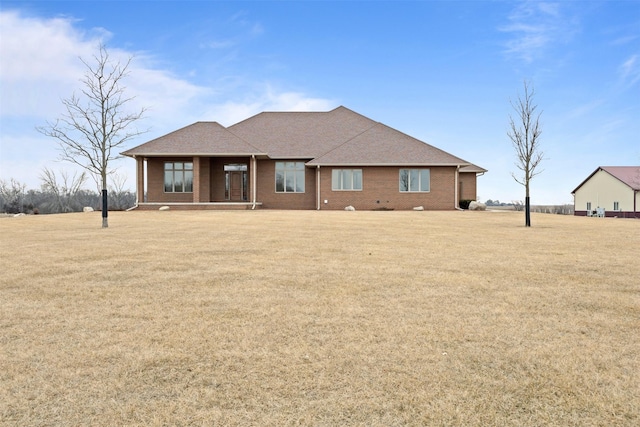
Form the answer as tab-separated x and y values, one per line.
219	44
39	62
624	40
243	28
585	109
41	49
534	26
40	66
629	71
257	29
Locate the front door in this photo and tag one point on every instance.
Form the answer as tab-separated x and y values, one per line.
235	185
235	182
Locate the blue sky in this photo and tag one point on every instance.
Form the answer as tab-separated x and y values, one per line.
441	71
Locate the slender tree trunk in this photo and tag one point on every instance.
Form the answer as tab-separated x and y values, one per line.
527	207
105	211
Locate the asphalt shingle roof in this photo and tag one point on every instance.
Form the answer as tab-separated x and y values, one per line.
381	145
200	139
301	135
337	137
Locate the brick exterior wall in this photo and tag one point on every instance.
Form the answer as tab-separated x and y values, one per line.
272	200
380	187
155	182
467	186
380	190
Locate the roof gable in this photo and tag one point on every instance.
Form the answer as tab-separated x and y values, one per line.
628	175
200	138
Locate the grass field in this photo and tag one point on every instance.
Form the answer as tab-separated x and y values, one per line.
271	318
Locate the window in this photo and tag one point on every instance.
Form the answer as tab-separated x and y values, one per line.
290	177
415	180
588	206
346	179
178	177
616	206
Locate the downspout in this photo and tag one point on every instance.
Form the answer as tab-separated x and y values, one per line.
318	187
254	167
456	203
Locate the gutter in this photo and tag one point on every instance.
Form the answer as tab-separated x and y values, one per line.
318	188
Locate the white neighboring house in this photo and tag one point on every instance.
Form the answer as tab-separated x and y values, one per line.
612	191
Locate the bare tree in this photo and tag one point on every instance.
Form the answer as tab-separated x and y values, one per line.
63	190
96	123
524	132
120	197
12	196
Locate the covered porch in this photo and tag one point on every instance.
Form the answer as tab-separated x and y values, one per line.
196	182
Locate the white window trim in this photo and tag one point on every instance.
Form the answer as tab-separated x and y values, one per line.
341	183
419	180
295	170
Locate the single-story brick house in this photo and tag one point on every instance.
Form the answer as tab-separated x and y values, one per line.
299	160
609	191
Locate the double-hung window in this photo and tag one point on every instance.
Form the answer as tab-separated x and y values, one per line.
289	177
346	180
178	177
415	180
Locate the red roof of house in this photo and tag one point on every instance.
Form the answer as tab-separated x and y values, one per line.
629	175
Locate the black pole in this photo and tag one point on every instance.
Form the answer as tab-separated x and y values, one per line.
527	212
105	211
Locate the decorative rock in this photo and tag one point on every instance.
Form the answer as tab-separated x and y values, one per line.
87	209
418	208
164	208
349	208
477	206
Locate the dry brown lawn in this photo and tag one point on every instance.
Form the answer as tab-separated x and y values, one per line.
272	318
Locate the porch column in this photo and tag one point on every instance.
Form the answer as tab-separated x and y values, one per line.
139	180
196	179
456	195
254	179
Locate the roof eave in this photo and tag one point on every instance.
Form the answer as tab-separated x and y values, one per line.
353	164
134	155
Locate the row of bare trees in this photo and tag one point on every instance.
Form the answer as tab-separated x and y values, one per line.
60	193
